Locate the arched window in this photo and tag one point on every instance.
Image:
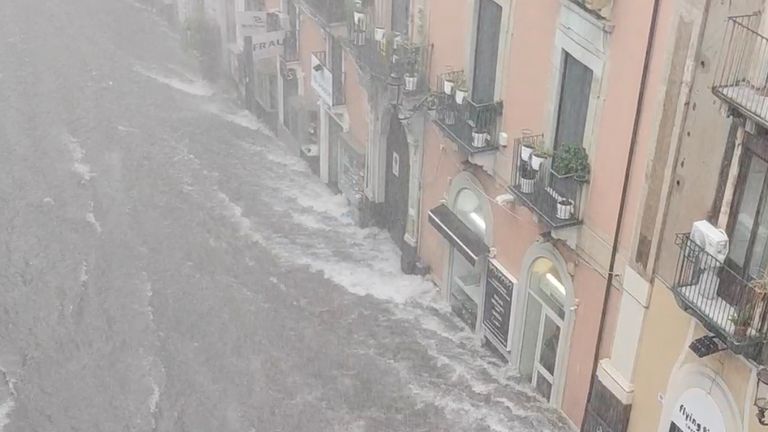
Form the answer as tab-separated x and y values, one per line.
467	207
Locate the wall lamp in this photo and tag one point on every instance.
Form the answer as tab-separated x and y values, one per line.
395	94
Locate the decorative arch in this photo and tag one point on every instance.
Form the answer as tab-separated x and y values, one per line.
697	376
524	326
466	180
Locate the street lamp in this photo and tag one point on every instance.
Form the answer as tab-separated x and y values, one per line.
761	396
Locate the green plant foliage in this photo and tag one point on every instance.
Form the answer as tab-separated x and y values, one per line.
571	160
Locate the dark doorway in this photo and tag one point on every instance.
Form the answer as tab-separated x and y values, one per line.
334	136
397	180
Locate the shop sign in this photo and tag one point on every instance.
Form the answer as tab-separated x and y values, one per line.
252	23
498	303
696	411
322	80
286	72
267	45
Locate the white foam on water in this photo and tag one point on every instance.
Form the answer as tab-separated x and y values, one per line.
5	411
126	129
241	118
91	218
78	166
83	273
192	87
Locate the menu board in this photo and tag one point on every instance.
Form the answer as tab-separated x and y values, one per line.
498	303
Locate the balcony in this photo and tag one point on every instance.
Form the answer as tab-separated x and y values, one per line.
473	126
741	80
328	84
555	198
329	12
730	307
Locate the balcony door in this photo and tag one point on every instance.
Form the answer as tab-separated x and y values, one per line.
575	88
486	51
748	224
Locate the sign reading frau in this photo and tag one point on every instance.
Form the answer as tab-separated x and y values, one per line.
267	44
696	411
498	303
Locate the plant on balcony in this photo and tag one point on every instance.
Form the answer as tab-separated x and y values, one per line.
449	81
527	178
741	320
378	33
571	160
539	155
461	90
411	66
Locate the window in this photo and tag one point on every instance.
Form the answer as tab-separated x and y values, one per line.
401	10
575	88
486	51
748	226
254	5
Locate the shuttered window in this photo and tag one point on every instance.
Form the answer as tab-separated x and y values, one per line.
576	84
486	51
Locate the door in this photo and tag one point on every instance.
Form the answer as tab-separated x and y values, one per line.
541	344
334	136
397	182
575	88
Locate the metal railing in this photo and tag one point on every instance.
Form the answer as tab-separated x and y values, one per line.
729	306
741	79
555	198
329	11
474	126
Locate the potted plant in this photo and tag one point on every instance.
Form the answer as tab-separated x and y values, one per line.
449	82
449	117
461	90
360	20
571	160
526	149
411	78
527	179
378	33
741	321
539	155
564	208
479	137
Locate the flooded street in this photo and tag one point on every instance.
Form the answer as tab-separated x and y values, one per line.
167	265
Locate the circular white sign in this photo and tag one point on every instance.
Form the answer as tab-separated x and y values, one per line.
696	411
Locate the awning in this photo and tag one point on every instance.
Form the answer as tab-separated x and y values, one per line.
466	241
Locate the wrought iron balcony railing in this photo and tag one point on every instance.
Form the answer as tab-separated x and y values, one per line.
473	126
330	12
553	197
733	309
742	76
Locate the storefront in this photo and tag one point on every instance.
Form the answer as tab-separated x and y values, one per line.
544	317
465	222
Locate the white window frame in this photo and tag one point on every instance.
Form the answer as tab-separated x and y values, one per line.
582	36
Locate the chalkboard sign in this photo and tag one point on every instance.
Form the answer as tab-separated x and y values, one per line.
498	303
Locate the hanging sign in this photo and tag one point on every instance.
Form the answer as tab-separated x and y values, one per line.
252	23
498	303
696	411
267	44
322	80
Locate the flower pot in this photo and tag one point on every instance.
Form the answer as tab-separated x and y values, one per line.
461	94
450	117
448	86
479	138
536	161
410	82
564	209
740	331
378	33
360	20
526	185
525	153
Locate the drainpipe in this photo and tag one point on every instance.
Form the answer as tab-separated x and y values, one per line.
622	202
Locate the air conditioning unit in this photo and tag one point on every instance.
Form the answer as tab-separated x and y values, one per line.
715	242
711	239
